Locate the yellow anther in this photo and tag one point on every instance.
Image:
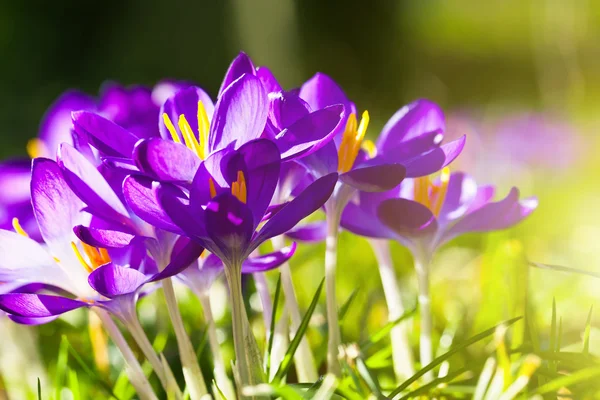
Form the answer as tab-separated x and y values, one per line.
203	129
36	148
369	147
104	255
429	194
421	190
18	228
352	141
80	258
212	188
440	191
188	136
238	188
171	128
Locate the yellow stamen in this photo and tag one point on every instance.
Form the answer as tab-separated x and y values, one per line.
18	228
421	190
171	128
188	135
213	189
80	258
36	148
369	147
104	255
239	189
440	191
352	141
203	129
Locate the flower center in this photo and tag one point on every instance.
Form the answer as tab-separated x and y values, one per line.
238	188
96	256
351	141
198	146
431	194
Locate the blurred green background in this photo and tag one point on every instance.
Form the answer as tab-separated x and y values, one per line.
487	63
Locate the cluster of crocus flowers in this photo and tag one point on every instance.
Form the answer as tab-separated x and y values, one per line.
152	184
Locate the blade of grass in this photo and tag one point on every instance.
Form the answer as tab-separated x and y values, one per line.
553	334
61	365
564	269
74	384
89	372
450	353
586	334
272	326
289	355
385	330
353	377
369	378
346	306
39	387
431	385
568	380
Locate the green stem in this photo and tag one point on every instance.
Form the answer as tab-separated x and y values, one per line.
191	370
219	365
132	366
426	325
248	358
334	335
401	352
304	361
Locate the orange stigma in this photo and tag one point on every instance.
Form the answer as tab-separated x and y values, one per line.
430	194
238	188
96	256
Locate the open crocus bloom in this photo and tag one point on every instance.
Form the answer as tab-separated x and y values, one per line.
424	214
79	275
229	199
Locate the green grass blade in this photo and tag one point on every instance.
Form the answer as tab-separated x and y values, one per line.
93	375
289	355
586	334
450	353
346	306
369	378
61	365
559	336
74	384
385	330
272	326
39	387
568	380
553	334
431	385
564	269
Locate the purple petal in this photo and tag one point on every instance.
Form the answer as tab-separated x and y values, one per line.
185	102
37	305
376	178
230	225
310	133
407	218
360	222
185	253
285	108
241	65
321	91
140	194
494	216
268	80
268	261
31	321
484	195
322	162
434	160
310	200
102	237
111	280
108	137
460	194
56	126
14	182
56	207
310	233
260	162
240	114
90	186
166	160
184	217
411	121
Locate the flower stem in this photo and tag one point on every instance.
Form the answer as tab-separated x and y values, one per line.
133	367
401	352
219	365
304	361
425	343
334	335
248	358
163	372
191	370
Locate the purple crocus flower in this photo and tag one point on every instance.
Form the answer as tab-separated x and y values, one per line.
423	214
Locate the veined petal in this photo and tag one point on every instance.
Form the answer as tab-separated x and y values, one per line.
90	186
286	108
31	321
321	91
358	221
102	237
185	215
434	160
307	202
407	218
376	178
269	261
108	137
240	65
166	160
310	133
240	114
185	102
37	305
413	120
268	80
112	280
185	252
462	190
